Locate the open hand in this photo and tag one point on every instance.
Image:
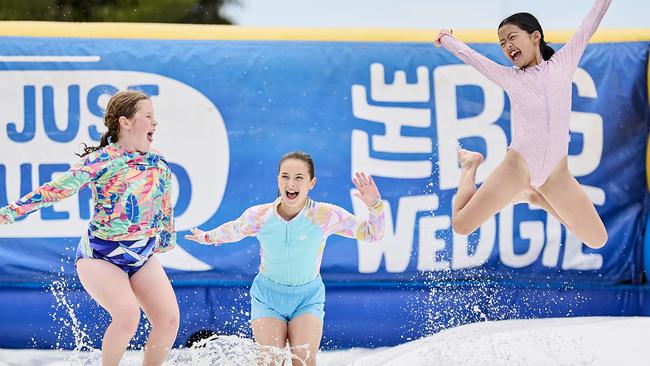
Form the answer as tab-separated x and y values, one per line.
444	32
198	236
367	188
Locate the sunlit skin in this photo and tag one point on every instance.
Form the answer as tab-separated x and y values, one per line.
136	133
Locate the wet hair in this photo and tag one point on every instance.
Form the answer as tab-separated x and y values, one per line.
530	24
123	103
302	156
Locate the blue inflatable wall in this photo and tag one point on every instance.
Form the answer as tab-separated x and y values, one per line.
229	109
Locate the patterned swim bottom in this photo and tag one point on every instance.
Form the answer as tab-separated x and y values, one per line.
129	255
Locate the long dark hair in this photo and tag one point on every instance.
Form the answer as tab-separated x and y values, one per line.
302	156
123	103
530	24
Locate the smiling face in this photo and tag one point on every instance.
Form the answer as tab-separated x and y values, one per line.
520	47
294	183
136	133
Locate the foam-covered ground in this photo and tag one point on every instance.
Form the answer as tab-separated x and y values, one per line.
562	341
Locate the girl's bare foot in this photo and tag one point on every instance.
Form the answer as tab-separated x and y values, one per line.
469	159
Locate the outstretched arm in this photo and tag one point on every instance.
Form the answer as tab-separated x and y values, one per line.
248	224
49	193
571	53
499	74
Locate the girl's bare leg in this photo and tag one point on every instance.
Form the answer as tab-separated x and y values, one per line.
472	207
270	332
566	196
156	296
305	330
109	286
532	196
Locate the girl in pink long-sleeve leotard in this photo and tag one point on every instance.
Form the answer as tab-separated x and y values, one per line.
535	167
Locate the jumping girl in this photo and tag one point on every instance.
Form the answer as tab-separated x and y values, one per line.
535	167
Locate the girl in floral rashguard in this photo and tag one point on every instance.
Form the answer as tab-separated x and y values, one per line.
288	295
132	219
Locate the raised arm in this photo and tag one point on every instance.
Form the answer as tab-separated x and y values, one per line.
571	53
66	185
341	222
499	74
248	224
337	220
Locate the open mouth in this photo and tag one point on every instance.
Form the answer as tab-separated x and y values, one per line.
150	136
515	55
291	195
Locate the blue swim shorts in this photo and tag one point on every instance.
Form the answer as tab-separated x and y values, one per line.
285	302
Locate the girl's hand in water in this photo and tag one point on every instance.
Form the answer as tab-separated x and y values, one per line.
367	188
444	32
199	236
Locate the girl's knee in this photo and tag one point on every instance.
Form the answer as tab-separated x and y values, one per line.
599	240
126	319
168	321
460	226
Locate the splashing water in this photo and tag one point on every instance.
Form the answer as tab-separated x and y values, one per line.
83	353
215	350
234	351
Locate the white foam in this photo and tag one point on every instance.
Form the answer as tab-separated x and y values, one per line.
559	341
